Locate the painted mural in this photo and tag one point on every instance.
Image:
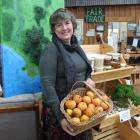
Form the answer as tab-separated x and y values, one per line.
24	33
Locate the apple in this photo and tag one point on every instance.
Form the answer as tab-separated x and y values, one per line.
84	118
76	112
96	101
91	94
92	106
86	99
82	106
69	112
89	112
105	98
70	104
98	109
75	120
77	98
104	105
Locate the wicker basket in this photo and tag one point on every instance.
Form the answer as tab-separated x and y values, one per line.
95	119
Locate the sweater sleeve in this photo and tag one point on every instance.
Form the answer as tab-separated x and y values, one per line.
48	70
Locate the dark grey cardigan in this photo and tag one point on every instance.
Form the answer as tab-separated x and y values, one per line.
53	78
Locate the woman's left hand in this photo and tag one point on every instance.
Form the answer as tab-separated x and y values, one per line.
90	82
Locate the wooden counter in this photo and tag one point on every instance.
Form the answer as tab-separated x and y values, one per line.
113	74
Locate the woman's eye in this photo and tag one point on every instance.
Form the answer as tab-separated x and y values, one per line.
58	25
68	22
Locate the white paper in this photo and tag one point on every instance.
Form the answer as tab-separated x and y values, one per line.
91	32
135	42
124	115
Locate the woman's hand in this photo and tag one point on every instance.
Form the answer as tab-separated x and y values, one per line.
90	82
66	127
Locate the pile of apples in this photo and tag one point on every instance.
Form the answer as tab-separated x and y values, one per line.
82	108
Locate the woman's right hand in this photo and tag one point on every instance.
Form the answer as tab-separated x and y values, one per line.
66	127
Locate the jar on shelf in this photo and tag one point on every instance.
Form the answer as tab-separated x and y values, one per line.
107	60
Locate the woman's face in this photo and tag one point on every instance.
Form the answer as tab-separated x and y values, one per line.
64	30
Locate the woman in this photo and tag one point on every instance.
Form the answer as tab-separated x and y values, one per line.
62	63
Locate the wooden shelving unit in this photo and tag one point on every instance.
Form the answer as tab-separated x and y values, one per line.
113	119
109	75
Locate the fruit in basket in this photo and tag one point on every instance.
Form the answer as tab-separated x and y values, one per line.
105	98
84	118
96	101
82	106
92	106
77	98
75	120
98	109
91	94
76	112
104	105
89	112
70	104
86	99
69	112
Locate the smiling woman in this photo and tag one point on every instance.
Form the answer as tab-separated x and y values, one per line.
62	63
64	30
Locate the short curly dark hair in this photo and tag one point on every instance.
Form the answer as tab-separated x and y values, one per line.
61	14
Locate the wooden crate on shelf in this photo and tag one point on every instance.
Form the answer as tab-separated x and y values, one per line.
106	133
128	132
119	131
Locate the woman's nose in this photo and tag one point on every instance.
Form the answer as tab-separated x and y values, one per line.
64	26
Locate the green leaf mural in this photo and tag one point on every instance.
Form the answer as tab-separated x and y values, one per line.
25	28
24	32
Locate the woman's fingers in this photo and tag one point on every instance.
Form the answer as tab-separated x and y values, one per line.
66	127
69	127
90	82
69	132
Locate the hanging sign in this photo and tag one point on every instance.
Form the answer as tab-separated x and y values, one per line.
94	14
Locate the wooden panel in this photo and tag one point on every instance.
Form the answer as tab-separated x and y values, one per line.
118	13
137	14
91	48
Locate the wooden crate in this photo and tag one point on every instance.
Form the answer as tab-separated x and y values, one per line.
128	132
105	133
97	48
119	131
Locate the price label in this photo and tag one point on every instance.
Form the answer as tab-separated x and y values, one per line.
124	115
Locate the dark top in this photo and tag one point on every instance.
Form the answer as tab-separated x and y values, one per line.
53	77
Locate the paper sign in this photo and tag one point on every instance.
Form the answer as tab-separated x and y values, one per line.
124	115
91	32
135	42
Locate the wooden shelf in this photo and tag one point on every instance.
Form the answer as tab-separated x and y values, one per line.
114	118
113	74
133	54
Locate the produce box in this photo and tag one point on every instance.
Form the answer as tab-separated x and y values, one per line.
85	107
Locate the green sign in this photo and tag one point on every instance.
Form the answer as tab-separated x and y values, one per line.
94	14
